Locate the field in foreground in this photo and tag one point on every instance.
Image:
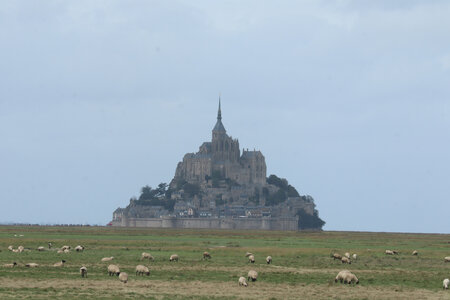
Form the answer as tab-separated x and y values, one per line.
301	268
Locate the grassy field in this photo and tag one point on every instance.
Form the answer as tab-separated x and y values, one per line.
301	268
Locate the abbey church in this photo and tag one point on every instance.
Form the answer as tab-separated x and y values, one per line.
222	157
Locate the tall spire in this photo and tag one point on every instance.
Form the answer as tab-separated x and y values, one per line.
219	113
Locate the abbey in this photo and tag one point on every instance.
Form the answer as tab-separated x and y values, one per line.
221	157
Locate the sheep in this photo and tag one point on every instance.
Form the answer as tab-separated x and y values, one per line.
347	255
20	248
415	252
60	251
32	265
15	250
447	259
59	264
66	250
446	283
242	281
251	259
340	276
83	271
108	258
395	252
389	252
206	255
248	254
40	248
269	259
345	260
123	277
252	275
148	256
65	247
141	270
355	256
174	257
113	270
79	248
50	245
336	256
10	265
10	248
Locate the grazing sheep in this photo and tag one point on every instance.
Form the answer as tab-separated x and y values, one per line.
40	248
66	250
269	259
355	256
32	265
148	256
248	254
65	247
252	275
108	258
174	257
446	283
83	271
347	255
113	270
20	248
251	259
141	270
50	245
206	255
415	252
336	256
242	281
10	248
59	264
79	248
123	277
60	251
340	276
10	265
447	259
345	260
395	252
389	252
15	250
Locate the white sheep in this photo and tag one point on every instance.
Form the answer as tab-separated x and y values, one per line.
269	259
20	248
206	255
32	265
252	275
340	276
50	245
65	248
113	270
123	277
242	281
251	259
336	256
10	248
355	256
79	248
141	270
346	260
40	248
446	283
10	265
248	254
83	271
59	264
350	277
389	252
174	257
148	256
447	259
415	252
108	258
347	255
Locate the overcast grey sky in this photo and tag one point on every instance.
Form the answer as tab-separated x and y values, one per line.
348	100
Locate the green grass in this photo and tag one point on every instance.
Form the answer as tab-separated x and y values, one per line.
299	259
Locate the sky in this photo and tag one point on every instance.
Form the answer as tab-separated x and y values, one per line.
347	100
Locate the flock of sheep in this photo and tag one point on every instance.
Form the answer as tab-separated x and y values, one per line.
344	276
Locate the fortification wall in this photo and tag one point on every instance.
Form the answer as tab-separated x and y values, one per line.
211	223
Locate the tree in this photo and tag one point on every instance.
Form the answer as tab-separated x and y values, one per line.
307	221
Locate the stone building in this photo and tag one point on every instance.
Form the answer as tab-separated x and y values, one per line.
222	158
